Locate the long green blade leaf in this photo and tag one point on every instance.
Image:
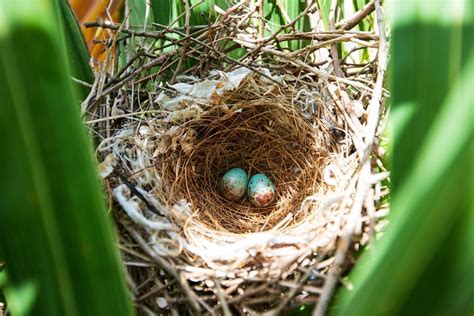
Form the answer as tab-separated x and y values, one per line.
77	54
423	263
55	238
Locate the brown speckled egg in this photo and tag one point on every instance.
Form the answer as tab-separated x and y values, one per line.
260	190
233	184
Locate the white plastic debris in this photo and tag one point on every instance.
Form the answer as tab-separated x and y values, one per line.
202	91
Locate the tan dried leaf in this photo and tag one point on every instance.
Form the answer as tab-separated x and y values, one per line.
216	98
194	111
107	166
187	142
164	144
116	111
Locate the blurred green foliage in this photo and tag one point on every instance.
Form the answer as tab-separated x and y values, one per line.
55	237
423	263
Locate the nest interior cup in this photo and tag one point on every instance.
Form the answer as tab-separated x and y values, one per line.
261	134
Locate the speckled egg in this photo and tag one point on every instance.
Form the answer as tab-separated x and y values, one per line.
233	184
260	190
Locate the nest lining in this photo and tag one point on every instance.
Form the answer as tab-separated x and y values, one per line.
258	133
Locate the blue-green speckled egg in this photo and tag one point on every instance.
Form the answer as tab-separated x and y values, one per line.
233	184
260	190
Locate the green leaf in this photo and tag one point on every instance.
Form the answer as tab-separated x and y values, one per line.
21	297
55	237
324	7
137	13
302	25
77	54
423	263
201	12
165	11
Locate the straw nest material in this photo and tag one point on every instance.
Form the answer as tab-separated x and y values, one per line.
163	148
257	128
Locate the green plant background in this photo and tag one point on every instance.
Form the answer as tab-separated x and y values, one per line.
55	237
57	242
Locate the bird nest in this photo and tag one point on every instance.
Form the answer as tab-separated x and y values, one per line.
255	128
164	146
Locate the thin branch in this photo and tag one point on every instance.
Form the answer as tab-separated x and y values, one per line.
114	117
326	36
166	266
154	291
230	60
116	27
374	105
293	291
331	42
283	12
158	61
261	19
316	71
357	17
147	14
83	83
182	56
334	53
221	298
135	191
255	50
